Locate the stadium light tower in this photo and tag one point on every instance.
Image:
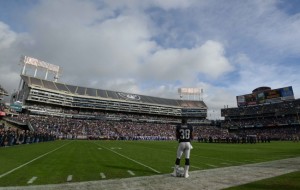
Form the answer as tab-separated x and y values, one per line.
40	65
188	92
29	62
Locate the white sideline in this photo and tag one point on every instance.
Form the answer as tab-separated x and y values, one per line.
210	165
194	167
131	160
5	174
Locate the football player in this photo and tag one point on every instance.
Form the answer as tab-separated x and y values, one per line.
184	135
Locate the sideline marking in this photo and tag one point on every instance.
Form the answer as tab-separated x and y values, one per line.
175	147
194	167
225	163
32	180
102	175
214	166
131	159
218	159
130	172
2	175
197	179
70	177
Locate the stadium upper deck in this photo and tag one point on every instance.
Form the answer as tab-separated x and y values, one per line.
3	92
263	108
37	90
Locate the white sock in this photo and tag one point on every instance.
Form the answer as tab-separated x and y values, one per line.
175	168
186	169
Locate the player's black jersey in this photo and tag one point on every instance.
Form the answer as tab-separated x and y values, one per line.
184	133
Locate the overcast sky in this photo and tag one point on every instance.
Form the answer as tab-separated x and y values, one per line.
153	47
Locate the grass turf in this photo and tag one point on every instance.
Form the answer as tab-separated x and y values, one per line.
288	181
53	162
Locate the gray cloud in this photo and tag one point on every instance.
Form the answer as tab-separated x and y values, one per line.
186	64
156	47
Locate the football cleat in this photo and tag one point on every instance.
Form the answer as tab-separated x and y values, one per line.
173	174
180	172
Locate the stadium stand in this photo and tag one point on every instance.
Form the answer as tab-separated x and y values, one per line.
3	92
74	112
3	108
270	120
38	92
53	110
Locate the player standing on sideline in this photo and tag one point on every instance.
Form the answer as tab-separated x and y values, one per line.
184	134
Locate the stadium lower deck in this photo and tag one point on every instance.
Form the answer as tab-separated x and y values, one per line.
46	128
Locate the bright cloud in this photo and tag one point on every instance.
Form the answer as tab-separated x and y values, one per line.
155	47
7	37
187	64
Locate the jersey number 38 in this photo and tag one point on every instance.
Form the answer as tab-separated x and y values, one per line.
185	133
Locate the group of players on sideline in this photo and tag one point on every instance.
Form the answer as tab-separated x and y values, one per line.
50	128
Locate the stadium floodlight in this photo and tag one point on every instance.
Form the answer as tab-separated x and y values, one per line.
190	92
27	61
33	62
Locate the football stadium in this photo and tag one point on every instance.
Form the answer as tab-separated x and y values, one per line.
55	135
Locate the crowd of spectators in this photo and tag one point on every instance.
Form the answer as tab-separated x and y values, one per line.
95	129
261	121
273	121
247	135
278	114
96	114
10	136
51	127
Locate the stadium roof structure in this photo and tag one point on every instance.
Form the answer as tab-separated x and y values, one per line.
108	94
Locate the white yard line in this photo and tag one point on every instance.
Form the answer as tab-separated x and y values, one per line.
102	175
130	172
32	180
70	177
132	160
5	174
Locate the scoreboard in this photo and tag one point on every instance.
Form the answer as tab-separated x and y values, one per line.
268	96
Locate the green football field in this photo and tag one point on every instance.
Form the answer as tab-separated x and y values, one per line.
73	161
